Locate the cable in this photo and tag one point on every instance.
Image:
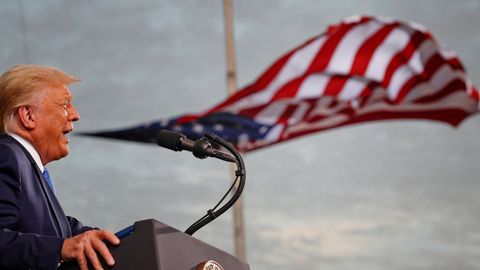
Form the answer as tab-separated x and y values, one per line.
240	174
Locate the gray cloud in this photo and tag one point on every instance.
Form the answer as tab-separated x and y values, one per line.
392	194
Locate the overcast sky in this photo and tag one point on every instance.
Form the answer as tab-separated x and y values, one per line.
381	195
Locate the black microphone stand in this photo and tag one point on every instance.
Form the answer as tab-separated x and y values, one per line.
240	174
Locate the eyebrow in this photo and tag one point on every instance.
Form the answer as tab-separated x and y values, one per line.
63	100
66	97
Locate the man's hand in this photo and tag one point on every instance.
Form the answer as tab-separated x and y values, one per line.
84	248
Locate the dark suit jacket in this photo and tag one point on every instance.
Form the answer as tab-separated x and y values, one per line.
32	223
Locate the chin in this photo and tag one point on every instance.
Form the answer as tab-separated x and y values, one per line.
63	153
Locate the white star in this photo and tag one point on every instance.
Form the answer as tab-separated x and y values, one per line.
263	130
218	127
243	137
198	128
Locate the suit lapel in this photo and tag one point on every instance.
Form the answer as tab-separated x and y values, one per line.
60	218
60	221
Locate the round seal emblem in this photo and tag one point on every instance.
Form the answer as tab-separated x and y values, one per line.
209	265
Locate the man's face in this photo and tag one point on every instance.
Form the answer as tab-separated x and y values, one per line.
55	117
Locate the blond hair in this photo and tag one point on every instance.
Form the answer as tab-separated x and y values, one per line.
20	84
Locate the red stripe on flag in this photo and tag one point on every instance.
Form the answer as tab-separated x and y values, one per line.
287	114
453	86
322	59
335	85
403	56
366	51
259	85
263	81
475	94
456	64
431	67
252	112
289	90
451	116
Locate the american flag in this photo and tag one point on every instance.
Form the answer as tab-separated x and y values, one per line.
362	69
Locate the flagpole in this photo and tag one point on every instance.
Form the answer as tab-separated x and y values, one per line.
239	232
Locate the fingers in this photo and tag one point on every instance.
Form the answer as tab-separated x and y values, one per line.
92	255
84	247
110	237
82	262
101	248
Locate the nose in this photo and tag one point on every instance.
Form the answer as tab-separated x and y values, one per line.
73	114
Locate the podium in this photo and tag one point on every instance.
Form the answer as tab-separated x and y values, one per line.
152	245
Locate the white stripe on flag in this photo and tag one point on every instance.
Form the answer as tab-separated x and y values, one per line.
299	113
441	78
270	114
400	76
295	66
352	88
313	86
273	135
421	56
395	42
344	55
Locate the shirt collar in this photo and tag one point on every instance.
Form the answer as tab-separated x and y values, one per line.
31	150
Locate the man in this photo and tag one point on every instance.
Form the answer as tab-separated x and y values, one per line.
36	114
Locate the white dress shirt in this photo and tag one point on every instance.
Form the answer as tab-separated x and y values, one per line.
30	150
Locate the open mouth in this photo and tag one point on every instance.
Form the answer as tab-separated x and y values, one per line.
65	132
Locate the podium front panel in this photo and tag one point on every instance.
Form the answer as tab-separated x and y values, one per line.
154	245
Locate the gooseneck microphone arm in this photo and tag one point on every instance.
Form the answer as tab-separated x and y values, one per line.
240	177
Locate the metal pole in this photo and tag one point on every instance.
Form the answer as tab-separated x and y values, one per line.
239	231
230	48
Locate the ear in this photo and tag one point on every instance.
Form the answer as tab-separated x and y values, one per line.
27	117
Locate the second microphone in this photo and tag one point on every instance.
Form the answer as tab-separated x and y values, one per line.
200	148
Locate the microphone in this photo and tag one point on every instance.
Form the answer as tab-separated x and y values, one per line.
200	148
